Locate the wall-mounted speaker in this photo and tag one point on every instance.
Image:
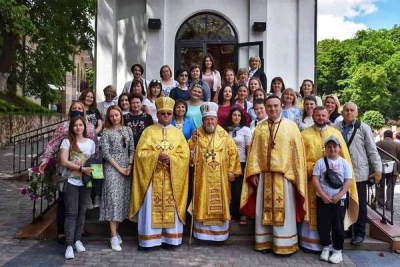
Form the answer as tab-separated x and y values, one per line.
154	24
259	26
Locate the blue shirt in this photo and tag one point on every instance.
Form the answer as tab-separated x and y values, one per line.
188	127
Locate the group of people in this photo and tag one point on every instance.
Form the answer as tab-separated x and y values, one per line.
223	149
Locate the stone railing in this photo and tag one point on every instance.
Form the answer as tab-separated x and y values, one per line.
14	124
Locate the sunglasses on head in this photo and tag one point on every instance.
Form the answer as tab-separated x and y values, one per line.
155	81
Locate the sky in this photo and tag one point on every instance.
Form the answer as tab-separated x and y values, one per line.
341	19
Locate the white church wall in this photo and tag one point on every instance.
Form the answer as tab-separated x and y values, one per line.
124	37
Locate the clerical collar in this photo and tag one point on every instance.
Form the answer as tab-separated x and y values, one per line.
275	121
164	126
323	128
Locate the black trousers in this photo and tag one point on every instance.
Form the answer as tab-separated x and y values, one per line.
330	217
359	225
236	191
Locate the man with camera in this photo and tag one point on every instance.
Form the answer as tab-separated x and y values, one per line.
364	156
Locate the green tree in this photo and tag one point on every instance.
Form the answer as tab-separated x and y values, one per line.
60	29
368	88
330	58
374	119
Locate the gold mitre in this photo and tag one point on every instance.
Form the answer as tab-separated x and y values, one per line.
165	103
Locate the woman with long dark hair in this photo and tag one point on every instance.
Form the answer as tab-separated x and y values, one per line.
93	115
306	120
210	74
242	137
74	152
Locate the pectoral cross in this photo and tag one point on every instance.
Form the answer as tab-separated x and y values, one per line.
211	153
164	144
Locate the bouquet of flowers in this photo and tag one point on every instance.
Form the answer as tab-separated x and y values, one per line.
41	185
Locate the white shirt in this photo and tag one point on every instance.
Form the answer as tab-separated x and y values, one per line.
88	149
342	169
242	139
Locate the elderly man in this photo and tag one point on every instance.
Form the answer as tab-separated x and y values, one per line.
393	148
216	164
314	138
364	156
160	181
275	182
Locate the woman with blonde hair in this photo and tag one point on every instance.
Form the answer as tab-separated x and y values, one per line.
332	104
290	110
118	149
256	71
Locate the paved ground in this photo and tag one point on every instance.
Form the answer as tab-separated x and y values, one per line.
15	211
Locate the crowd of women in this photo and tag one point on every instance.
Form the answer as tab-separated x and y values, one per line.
107	132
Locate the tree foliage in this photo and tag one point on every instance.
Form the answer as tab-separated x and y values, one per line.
374	119
54	31
364	69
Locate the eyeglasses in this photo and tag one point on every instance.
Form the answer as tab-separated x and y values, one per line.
166	113
110	95
183	75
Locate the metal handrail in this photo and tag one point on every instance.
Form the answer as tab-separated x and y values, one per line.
372	200
29	145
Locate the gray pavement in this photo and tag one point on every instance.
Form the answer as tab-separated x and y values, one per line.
15	212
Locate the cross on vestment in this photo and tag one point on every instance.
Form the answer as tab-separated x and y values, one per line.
211	153
164	144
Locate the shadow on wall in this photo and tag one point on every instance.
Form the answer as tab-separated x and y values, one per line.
131	44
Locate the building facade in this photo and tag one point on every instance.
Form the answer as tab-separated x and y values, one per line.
281	32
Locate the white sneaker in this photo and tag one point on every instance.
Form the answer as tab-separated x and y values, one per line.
324	254
96	202
89	204
69	253
119	239
79	246
336	257
115	244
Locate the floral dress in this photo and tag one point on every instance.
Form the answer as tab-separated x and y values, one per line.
116	144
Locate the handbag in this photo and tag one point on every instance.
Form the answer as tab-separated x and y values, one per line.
331	177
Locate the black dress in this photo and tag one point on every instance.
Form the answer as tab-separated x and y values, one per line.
137	123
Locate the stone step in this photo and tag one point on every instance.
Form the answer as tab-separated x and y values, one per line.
238	234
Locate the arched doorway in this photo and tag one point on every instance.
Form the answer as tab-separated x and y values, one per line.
205	33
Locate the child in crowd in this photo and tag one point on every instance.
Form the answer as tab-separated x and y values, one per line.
331	203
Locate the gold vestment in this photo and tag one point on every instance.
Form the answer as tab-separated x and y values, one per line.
314	144
277	153
215	157
169	183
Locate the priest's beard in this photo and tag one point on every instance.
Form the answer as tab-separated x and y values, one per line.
320	125
209	129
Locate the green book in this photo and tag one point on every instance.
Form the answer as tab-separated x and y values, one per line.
97	171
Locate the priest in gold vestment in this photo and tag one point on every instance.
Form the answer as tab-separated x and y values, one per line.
314	140
216	164
160	181
275	186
